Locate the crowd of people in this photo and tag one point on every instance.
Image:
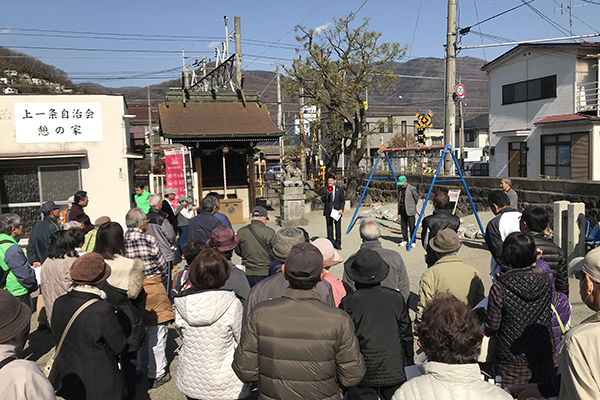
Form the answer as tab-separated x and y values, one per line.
280	325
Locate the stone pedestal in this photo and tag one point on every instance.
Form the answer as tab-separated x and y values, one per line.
292	204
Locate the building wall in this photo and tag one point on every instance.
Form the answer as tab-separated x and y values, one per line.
106	173
525	65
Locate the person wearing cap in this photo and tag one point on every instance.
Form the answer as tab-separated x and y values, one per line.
167	207
202	224
330	258
274	286
449	274
408	198
218	215
39	239
397	279
21	379
209	320
141	197
579	356
80	201
157	311
519	316
256	245
332	196
161	229
505	222
432	224
382	324
295	346
225	240
184	212
87	365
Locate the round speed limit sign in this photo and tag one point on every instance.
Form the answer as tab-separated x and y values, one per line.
460	90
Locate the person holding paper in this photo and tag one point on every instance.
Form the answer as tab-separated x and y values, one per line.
332	196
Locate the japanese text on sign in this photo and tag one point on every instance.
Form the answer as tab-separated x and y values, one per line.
58	122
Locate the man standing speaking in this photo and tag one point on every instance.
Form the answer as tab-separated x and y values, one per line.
332	196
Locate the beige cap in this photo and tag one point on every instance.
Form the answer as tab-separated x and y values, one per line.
589	265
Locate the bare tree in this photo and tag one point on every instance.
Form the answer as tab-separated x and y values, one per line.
340	64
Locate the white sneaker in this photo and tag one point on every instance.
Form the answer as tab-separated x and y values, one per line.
413	245
403	244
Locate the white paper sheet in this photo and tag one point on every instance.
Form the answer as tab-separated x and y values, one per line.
38	272
335	214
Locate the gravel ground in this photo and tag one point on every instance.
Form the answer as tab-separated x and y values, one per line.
473	252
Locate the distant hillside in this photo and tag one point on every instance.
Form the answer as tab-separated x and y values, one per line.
32	75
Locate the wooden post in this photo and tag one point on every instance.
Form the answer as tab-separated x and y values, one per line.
251	182
198	169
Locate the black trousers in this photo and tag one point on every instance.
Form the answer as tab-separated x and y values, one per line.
372	393
406	221
337	241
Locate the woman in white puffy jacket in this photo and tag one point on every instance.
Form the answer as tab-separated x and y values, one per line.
450	335
210	322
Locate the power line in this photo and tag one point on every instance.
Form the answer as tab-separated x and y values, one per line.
547	19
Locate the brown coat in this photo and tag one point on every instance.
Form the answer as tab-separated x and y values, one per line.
156	308
299	348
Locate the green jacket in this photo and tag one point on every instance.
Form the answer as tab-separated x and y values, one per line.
254	256
21	277
450	275
141	200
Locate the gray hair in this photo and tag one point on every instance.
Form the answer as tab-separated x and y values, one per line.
209	203
135	217
370	228
508	181
8	222
154	199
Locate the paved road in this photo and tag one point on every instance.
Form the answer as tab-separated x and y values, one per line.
473	252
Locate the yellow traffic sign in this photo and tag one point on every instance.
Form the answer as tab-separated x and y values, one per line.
424	120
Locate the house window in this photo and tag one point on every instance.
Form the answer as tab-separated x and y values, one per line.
403	128
390	124
469	136
534	89
556	154
24	187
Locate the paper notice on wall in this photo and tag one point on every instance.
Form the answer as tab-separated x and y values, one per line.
58	122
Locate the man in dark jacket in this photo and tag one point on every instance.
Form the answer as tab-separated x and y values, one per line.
332	196
80	201
274	286
39	239
439	220
505	222
256	244
296	347
203	224
407	208
167	207
382	325
534	220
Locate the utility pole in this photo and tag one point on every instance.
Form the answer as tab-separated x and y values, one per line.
461	132
150	134
279	108
238	51
450	109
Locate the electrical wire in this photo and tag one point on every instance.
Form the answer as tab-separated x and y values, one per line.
412	42
479	28
547	19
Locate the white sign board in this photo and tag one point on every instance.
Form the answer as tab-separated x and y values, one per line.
58	122
453	194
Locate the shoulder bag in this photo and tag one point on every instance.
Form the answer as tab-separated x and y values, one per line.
48	368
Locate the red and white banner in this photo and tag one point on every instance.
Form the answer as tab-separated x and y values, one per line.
175	172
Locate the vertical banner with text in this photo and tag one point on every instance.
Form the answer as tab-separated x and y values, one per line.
175	172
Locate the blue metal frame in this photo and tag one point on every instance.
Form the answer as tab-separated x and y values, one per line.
462	179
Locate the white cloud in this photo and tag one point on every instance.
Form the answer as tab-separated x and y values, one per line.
6	30
322	28
213	45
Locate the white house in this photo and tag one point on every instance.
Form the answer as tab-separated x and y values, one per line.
53	146
544	111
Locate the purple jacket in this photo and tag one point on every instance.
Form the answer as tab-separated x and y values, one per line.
562	305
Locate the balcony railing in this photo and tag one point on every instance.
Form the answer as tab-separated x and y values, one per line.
587	97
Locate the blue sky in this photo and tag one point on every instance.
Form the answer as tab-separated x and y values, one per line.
37	28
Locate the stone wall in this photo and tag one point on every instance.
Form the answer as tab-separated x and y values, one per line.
539	192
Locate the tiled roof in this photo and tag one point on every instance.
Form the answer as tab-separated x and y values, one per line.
140	110
567	118
216	120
